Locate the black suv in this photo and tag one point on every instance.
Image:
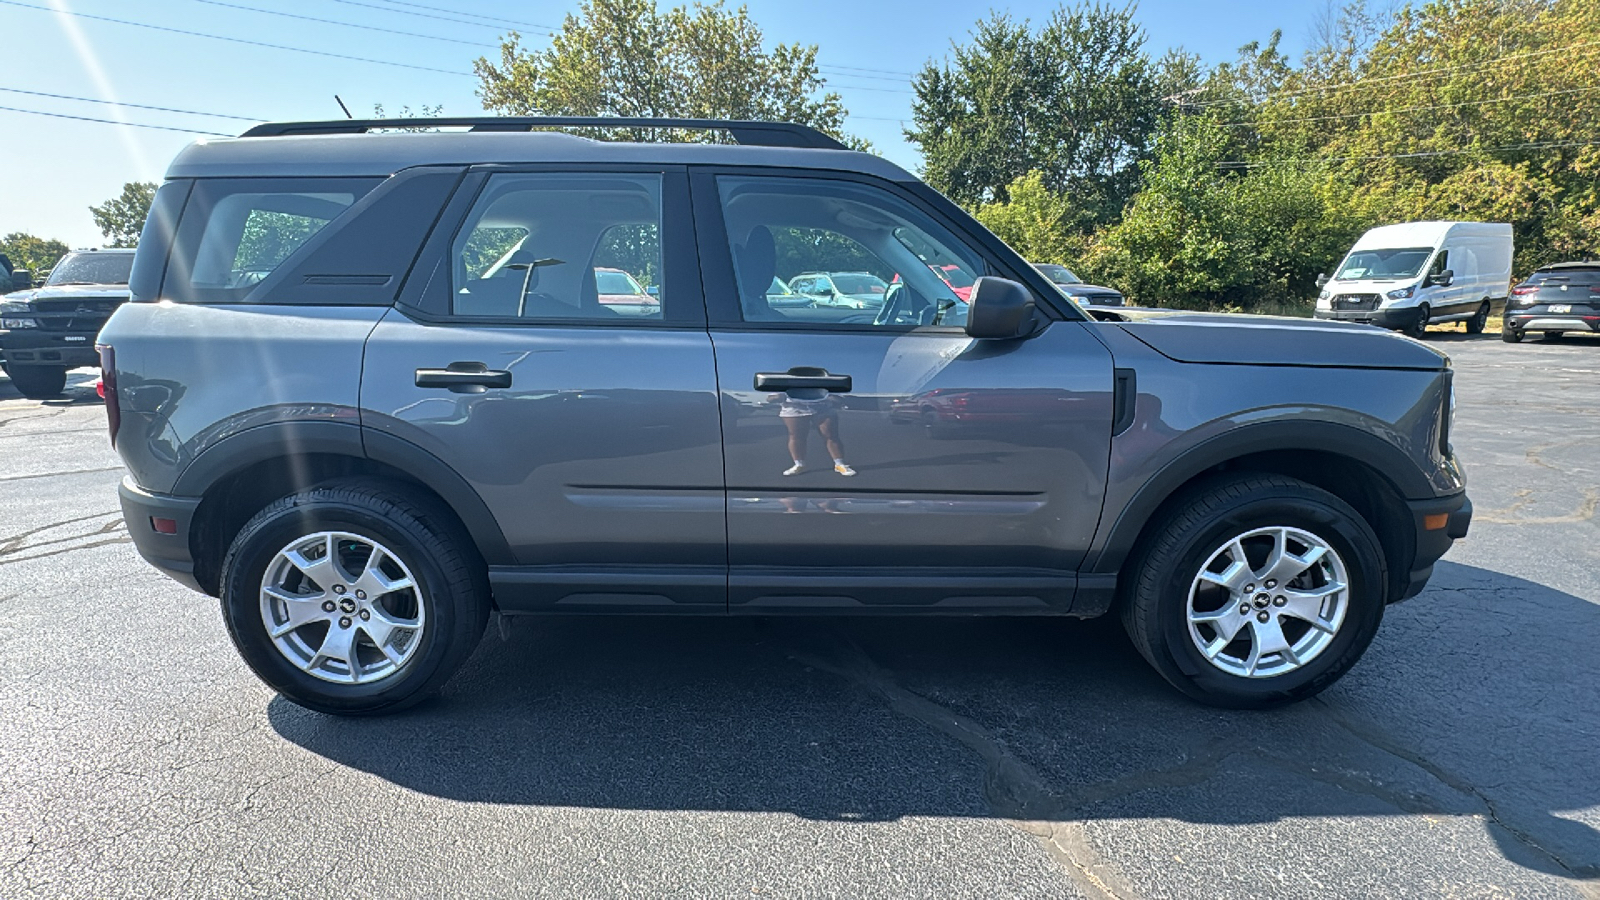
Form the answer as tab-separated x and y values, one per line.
368	390
50	329
1554	300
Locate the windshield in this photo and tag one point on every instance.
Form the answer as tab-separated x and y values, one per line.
859	283
955	276
1384	265
616	283
93	268
1058	274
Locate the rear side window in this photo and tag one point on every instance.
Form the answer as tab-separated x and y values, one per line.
562	247
236	232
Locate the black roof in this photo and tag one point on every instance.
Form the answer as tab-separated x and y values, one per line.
351	148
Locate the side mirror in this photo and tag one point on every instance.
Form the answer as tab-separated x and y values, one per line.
1322	281
653	290
1444	278
998	309
21	280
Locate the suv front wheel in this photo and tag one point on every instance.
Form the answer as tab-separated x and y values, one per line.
352	598
1260	590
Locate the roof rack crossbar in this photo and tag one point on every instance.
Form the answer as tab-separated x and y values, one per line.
758	134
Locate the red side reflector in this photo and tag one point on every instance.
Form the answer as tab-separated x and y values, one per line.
164	526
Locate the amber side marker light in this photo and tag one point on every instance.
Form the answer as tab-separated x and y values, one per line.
1435	521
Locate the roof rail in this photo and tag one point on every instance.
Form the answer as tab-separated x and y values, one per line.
758	134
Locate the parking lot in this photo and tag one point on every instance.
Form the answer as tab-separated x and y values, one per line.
642	757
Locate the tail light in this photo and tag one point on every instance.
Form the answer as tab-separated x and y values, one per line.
1528	289
108	388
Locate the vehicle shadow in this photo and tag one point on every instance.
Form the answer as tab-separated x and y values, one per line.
79	391
1023	719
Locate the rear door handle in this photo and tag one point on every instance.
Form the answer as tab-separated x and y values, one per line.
464	378
803	377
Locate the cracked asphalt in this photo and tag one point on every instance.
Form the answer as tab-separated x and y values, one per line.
139	758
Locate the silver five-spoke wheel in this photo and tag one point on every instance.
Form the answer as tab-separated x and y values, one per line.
1268	601
342	607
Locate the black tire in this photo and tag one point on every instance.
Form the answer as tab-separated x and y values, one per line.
1510	335
38	382
1479	320
1155	599
440	556
1418	327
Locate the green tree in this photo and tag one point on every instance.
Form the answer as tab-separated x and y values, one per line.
632	58
37	255
122	217
1075	101
1037	222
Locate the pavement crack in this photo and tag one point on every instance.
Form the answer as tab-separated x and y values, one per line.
1373	737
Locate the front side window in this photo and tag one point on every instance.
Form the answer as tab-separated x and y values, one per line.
857	254
236	232
1440	263
92	268
561	247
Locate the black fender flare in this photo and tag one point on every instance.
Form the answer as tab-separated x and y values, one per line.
1324	437
275	440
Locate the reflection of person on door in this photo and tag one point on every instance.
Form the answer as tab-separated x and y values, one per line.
802	409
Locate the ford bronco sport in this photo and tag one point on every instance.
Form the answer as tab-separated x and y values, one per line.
367	392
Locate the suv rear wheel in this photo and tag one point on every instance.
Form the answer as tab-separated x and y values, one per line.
1260	590
352	598
1510	335
38	382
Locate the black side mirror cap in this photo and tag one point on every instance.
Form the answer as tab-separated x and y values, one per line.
1322	280
998	309
21	280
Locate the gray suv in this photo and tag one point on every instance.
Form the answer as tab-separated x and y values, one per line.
367	393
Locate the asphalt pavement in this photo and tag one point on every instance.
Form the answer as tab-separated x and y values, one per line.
712	758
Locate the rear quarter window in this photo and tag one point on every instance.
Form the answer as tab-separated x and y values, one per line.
234	233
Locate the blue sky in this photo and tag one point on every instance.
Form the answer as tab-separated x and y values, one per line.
52	169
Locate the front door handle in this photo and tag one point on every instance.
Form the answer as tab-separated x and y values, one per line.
803	377
464	378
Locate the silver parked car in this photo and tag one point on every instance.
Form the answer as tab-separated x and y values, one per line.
396	401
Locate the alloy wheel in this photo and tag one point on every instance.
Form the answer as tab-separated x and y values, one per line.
1268	601
342	607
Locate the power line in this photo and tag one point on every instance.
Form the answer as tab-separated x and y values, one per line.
1378	79
186	112
37	112
470	15
450	18
1536	145
234	40
1374	112
288	15
877	71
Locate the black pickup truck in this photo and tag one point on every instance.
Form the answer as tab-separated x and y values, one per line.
49	329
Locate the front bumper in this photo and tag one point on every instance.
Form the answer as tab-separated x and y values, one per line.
33	347
1397	319
1439	523
167	552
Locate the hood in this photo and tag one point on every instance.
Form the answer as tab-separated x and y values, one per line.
73	291
1275	341
1081	287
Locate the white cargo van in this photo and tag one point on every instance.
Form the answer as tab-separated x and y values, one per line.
1414	274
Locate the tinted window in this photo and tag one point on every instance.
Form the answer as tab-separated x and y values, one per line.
879	251
1384	264
1058	274
1573	277
236	232
93	268
532	245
